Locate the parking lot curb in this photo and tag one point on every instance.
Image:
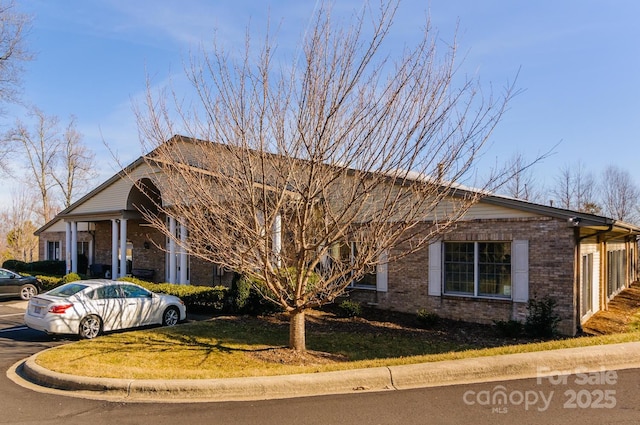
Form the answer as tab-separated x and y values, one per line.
450	372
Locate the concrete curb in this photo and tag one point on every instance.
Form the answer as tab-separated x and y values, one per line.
517	366
482	369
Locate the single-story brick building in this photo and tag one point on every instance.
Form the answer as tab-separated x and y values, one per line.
501	254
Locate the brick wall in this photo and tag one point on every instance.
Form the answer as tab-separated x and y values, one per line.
551	272
205	274
145	255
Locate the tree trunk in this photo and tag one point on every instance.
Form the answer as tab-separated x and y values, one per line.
296	331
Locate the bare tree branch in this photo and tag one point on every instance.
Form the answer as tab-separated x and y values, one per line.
356	156
20	243
75	164
575	188
40	145
620	196
14	27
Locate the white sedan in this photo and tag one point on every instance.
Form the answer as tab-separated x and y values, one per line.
91	307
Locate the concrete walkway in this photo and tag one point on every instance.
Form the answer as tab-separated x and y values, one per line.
485	369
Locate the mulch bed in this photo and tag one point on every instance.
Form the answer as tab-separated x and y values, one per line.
615	320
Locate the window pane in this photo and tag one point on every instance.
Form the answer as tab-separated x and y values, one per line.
494	269
458	267
67	290
53	250
368	280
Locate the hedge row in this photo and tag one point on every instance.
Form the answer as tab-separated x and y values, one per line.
244	296
48	267
196	298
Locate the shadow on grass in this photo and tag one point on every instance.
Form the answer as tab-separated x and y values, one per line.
351	339
223	335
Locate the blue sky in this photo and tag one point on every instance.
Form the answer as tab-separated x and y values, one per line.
578	65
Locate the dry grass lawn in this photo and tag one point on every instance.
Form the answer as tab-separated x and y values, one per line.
623	314
246	346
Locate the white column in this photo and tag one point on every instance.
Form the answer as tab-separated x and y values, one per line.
114	248
277	239
123	247
183	254
74	246
67	250
172	250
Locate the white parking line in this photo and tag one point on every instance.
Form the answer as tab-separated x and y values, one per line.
20	328
9	315
18	304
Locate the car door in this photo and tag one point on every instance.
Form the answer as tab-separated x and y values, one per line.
109	304
7	283
139	306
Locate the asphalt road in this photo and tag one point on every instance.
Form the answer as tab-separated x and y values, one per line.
607	397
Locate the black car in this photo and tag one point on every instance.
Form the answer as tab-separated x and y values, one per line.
14	285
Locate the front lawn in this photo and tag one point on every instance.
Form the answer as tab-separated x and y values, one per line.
237	346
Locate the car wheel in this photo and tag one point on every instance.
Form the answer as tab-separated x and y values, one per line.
28	291
90	327
170	317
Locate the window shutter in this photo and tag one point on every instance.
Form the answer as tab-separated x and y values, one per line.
520	273
382	273
435	269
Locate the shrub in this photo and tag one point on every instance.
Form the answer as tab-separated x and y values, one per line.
509	328
247	296
71	277
240	293
15	265
427	319
49	267
49	282
349	308
196	298
542	319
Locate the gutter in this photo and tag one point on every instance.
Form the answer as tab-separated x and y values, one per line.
598	233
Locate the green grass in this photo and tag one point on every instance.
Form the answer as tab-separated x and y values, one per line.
237	347
634	325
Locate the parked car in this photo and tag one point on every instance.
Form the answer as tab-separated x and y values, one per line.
90	307
14	285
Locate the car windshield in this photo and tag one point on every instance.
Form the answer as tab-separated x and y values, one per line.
67	290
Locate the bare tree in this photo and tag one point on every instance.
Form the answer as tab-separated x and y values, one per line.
305	184
620	196
13	53
575	188
41	146
75	164
522	184
20	243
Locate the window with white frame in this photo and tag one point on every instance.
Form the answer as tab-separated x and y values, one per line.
346	253
616	273
477	269
53	250
587	284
